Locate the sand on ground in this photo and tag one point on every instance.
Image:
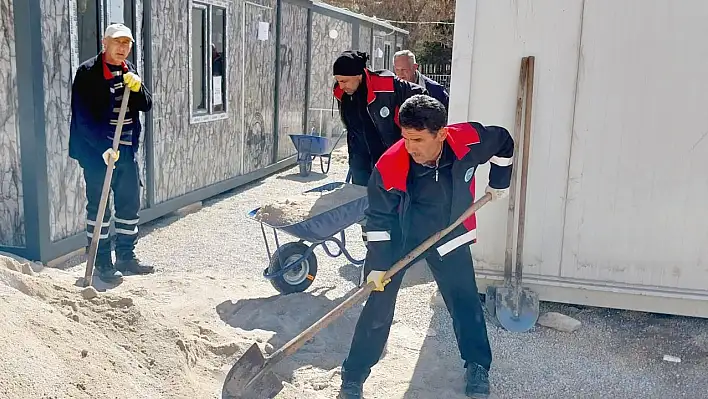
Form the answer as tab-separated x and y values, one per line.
176	333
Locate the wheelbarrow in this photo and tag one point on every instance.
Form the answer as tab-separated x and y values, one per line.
293	266
311	146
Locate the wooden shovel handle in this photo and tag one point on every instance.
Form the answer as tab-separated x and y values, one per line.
295	343
88	274
509	252
518	272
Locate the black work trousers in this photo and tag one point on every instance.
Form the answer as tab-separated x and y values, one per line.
360	177
455	277
125	184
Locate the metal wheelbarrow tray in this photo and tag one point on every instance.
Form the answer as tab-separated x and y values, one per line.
293	265
309	147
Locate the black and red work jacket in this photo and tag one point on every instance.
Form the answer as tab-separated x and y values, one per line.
384	95
388	215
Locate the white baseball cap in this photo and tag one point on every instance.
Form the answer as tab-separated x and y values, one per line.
118	30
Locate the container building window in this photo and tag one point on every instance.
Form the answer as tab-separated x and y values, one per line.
207	66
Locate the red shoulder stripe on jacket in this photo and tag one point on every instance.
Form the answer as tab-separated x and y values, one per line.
374	84
461	135
394	165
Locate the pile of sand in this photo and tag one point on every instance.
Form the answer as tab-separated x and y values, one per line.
61	341
296	208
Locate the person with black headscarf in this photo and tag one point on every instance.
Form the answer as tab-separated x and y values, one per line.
368	103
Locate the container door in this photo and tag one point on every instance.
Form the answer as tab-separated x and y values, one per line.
638	183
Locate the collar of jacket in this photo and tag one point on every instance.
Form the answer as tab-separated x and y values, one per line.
375	83
394	164
421	80
107	72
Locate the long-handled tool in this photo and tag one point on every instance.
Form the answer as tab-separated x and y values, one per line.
251	377
517	308
491	298
88	274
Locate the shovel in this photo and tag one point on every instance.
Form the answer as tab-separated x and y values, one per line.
517	308
88	274
251	377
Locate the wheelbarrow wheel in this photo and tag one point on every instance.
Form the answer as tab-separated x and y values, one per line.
305	168
297	279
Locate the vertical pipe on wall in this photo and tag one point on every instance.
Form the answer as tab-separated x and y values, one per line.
355	34
149	129
31	126
371	47
276	92
308	70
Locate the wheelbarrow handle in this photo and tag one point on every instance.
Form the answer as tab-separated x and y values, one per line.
344	131
295	343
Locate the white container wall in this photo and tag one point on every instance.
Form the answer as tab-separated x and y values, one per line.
617	204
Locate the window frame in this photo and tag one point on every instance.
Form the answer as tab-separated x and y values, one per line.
136	25
210	115
387	57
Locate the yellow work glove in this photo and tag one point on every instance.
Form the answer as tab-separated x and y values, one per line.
377	277
132	80
113	154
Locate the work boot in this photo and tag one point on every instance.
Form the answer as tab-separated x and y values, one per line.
351	390
132	264
477	379
105	270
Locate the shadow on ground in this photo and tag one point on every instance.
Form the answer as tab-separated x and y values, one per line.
416	274
289	315
313	176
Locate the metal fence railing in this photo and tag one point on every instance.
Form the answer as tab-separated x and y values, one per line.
438	72
442	79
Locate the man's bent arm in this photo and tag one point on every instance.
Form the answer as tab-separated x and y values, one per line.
381	221
496	146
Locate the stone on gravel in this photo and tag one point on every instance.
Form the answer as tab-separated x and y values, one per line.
559	321
89	293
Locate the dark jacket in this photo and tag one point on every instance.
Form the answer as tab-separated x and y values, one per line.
435	90
384	96
91	108
387	224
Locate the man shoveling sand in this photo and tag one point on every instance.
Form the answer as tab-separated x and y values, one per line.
418	187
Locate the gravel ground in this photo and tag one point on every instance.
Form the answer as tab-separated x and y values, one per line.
210	264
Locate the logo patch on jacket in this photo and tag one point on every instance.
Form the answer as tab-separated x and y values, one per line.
469	174
384	112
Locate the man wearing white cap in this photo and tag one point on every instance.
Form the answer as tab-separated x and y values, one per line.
96	96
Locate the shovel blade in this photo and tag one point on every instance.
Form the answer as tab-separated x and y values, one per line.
243	372
507	303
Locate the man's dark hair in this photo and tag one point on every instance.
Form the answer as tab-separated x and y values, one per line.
422	112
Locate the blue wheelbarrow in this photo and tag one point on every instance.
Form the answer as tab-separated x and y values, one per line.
309	147
293	266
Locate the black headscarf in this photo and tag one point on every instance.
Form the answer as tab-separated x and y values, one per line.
350	63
